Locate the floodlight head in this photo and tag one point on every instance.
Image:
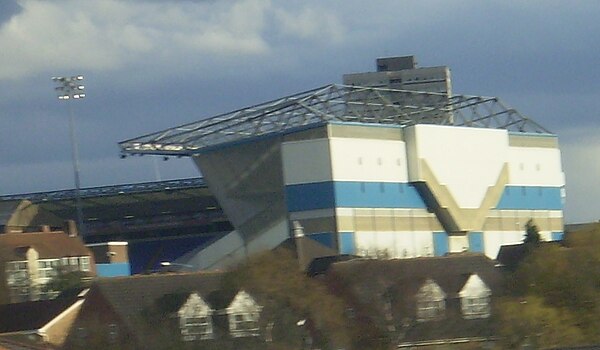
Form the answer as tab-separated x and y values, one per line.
80	87
79	77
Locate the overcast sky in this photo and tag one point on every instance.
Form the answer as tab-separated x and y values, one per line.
153	64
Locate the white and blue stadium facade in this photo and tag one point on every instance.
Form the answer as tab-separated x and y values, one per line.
373	172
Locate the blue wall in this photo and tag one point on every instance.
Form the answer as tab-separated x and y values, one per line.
352	194
475	242
531	198
440	243
356	194
347	243
557	236
311	196
113	270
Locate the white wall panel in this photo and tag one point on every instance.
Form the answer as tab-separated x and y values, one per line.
368	160
412	160
402	244
306	161
545	236
492	240
458	244
466	160
535	166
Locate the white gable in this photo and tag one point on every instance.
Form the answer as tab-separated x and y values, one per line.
243	302
194	306
475	287
430	291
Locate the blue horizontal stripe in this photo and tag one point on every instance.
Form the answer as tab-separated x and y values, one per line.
113	270
531	198
311	196
352	194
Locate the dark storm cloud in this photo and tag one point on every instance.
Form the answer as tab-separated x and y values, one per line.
8	8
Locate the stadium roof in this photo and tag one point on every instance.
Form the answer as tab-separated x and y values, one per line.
148	201
329	104
108	191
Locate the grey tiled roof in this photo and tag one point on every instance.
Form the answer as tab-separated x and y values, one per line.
372	283
49	245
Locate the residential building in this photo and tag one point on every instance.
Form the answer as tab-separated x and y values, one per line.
191	308
31	260
423	301
44	323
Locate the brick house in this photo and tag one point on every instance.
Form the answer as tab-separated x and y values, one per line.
44	323
29	261
433	301
166	310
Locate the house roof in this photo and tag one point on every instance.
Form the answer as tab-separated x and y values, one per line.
511	255
21	342
449	272
49	245
320	265
130	296
373	283
31	315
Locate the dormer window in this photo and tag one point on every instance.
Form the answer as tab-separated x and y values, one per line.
243	314
431	302
244	324
196	328
195	319
475	298
476	307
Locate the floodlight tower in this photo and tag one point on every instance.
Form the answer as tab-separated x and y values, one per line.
71	88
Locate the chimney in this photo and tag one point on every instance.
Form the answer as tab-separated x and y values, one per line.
299	241
71	228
